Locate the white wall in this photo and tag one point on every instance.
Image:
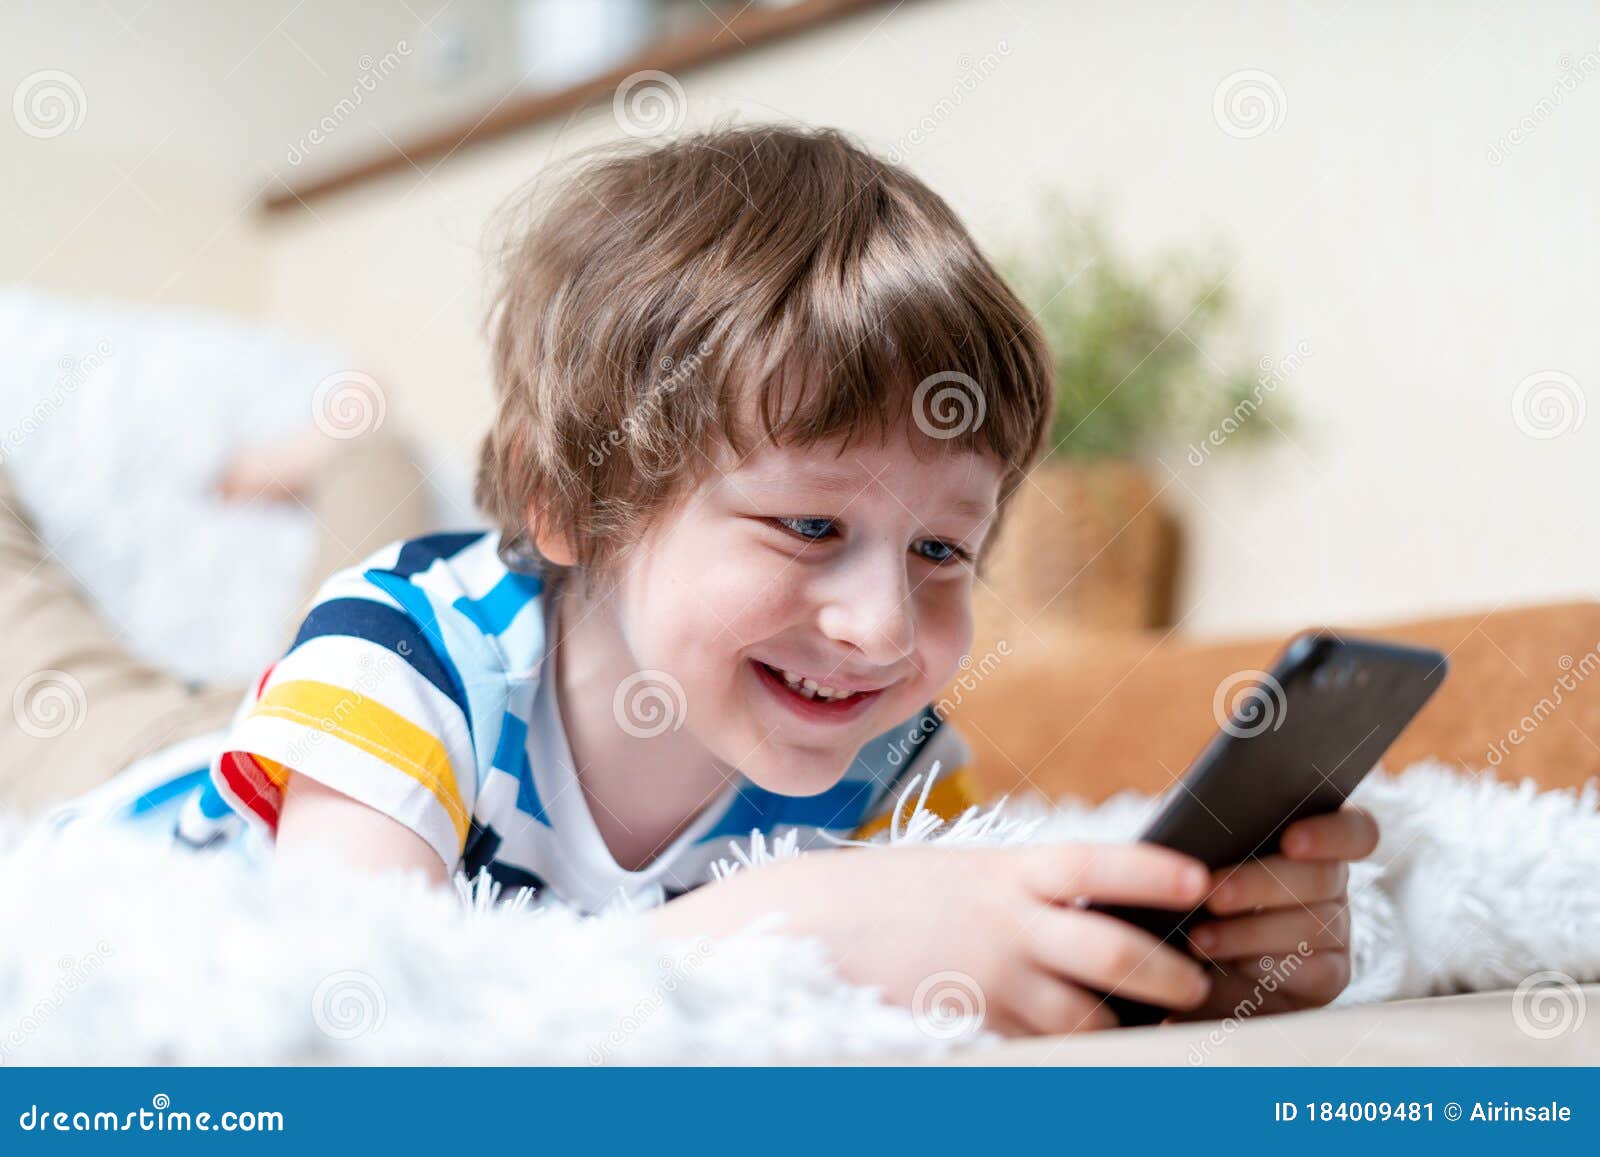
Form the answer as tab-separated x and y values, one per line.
103	190
137	135
1426	279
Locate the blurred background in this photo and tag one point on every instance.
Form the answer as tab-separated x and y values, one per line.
1319	275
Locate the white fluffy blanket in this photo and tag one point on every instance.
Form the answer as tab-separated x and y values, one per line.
117	951
137	410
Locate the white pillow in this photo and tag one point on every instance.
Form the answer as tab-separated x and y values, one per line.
115	423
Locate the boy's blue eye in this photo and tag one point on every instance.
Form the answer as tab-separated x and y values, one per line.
932	550
807	528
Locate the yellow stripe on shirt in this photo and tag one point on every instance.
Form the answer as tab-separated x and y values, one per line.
375	729
953	793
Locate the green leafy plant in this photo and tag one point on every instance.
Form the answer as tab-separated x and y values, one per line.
1131	356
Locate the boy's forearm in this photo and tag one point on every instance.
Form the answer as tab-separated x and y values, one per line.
728	905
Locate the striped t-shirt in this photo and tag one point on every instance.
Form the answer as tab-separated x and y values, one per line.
421	684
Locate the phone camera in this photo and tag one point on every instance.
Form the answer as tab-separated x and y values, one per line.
1337	676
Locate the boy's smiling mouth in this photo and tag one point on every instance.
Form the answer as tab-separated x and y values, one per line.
811	700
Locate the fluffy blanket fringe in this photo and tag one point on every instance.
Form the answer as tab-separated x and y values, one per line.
120	951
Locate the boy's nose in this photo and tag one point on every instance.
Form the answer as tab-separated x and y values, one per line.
871	609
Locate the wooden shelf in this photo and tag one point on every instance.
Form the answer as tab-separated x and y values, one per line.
717	37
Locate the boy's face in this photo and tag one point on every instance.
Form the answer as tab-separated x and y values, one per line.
853	570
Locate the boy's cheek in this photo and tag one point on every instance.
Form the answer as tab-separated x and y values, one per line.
946	633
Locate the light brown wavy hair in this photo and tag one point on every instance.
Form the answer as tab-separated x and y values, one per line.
737	284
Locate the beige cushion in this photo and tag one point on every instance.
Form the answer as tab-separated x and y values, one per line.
1071	713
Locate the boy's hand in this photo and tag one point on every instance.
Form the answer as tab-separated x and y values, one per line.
1283	938
990	929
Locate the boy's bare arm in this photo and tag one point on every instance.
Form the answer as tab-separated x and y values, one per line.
1005	919
1003	923
317	821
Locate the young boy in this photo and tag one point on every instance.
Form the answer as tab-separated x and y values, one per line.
760	403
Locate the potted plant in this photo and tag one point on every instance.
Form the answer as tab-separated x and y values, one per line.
1089	540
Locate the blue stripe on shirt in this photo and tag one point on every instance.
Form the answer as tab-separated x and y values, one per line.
511	757
495	611
396	631
418	554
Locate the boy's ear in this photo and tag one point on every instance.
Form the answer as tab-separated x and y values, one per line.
552	543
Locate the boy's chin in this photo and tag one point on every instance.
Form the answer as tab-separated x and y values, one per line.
796	777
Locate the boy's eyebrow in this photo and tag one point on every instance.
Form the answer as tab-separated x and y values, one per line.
845	485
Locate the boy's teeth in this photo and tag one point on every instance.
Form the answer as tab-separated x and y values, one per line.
810	688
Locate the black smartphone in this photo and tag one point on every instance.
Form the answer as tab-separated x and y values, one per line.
1294	742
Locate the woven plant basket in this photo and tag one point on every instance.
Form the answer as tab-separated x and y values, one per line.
1087	545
